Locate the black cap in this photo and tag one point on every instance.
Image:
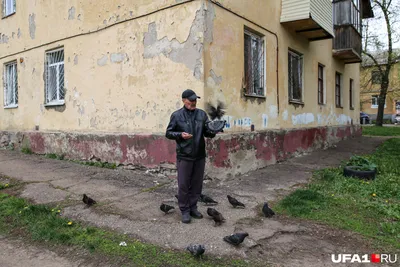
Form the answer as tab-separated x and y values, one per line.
190	94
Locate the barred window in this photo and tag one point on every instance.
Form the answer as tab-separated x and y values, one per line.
8	7
254	64
10	85
321	84
54	91
351	97
295	63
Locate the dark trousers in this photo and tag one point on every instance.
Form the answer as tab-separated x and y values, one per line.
190	183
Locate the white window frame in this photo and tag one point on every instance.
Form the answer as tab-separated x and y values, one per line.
10	79
375	99
55	91
300	68
9	7
250	90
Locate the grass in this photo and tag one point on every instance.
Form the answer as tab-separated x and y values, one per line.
44	224
370	208
381	131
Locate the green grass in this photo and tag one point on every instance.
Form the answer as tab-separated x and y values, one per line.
44	224
370	208
381	131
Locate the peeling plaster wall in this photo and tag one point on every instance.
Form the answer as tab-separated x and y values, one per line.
226	61
117	80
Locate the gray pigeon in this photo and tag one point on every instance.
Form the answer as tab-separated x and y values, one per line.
235	203
207	200
196	250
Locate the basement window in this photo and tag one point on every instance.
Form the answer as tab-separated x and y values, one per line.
54	88
10	85
8	7
254	82
295	70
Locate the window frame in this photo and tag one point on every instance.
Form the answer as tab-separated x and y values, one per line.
250	91
6	7
6	85
58	90
292	54
376	77
351	94
338	89
377	101
321	94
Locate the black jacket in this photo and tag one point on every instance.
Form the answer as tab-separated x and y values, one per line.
193	122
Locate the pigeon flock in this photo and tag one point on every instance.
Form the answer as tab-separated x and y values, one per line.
234	239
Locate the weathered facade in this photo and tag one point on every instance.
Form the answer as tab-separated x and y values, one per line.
101	78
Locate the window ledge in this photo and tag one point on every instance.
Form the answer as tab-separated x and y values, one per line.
55	103
10	106
339	107
351	108
256	96
9	15
296	102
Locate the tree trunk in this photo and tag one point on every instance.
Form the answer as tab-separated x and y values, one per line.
381	102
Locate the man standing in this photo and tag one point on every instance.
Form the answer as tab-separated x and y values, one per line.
187	127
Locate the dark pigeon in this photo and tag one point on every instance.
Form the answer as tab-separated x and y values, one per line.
268	212
88	201
235	203
207	200
166	208
217	216
236	239
216	112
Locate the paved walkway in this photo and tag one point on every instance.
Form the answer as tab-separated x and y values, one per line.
129	203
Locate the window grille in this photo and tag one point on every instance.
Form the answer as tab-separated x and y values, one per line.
54	91
254	64
295	63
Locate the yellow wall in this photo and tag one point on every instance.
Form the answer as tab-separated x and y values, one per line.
368	90
125	70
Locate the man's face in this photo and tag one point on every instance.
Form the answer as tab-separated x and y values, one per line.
191	105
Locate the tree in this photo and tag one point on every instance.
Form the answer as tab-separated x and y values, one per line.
380	33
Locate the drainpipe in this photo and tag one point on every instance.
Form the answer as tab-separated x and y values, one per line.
265	29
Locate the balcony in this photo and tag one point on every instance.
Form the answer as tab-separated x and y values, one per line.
347	16
309	18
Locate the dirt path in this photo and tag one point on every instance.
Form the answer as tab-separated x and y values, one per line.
130	203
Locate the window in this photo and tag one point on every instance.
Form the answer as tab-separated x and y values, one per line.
10	85
295	63
375	101
351	92
338	90
8	7
321	84
376	77
254	64
54	91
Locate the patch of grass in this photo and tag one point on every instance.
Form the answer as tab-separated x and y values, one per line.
26	150
370	208
44	224
54	156
381	131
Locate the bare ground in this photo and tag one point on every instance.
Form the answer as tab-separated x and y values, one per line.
129	203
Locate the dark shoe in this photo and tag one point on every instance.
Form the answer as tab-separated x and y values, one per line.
196	214
186	218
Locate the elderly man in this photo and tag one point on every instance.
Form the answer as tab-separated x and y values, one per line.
187	128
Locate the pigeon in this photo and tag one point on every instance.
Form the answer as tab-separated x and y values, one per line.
207	200
216	112
217	216
166	208
196	250
88	201
236	239
267	211
235	203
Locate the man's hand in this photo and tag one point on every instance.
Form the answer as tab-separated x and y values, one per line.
186	135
